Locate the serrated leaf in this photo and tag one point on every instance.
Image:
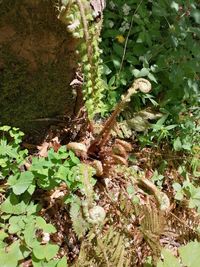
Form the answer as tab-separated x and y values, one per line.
80	226
20	184
12	205
8	150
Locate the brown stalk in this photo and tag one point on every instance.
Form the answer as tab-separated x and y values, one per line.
140	84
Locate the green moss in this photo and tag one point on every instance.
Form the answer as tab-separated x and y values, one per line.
26	96
34	76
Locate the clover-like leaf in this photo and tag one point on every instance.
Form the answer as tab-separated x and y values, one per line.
20	184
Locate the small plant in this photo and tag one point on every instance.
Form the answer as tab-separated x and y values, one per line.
190	192
83	23
185	259
28	232
11	156
139	41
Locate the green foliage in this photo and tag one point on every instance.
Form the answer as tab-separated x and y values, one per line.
169	260
189	256
190	192
19	212
106	250
158	40
11	156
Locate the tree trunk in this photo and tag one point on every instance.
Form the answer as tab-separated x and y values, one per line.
37	64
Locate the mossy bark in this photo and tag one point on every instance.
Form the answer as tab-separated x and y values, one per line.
37	64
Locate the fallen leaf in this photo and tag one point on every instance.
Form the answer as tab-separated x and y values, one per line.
43	149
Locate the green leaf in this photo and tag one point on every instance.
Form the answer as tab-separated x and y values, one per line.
106	69
12	255
16	224
47	251
196	15
62	262
3	235
50	251
5	128
116	62
177	186
175	5
170	127
8	150
136	73
195	198
46	227
62	172
12	205
152	77
39	252
21	184
144	72
111	81
74	159
29	235
177	144
169	260
190	254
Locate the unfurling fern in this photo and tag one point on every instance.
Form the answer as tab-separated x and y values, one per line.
80	225
84	212
81	22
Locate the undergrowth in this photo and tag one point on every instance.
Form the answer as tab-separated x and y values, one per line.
103	204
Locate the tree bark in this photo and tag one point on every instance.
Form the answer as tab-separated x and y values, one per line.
37	64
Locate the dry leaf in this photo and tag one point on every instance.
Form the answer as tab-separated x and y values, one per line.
43	149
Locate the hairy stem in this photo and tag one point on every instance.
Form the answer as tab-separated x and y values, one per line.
141	84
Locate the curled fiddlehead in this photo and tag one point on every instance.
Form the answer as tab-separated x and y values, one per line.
140	84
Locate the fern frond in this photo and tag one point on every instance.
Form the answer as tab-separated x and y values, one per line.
152	226
86	173
79	224
108	249
184	225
